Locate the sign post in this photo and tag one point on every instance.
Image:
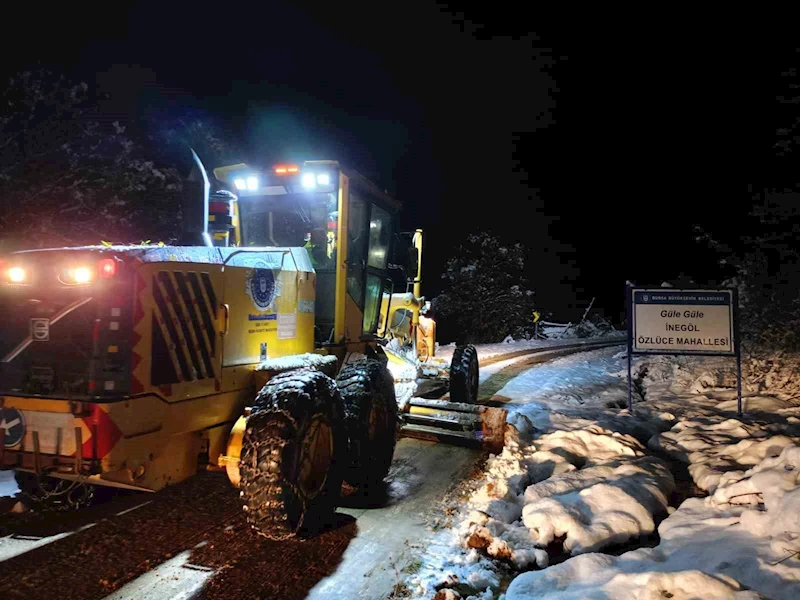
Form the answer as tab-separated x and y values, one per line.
679	322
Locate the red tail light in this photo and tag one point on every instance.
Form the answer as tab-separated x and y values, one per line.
220	208
107	267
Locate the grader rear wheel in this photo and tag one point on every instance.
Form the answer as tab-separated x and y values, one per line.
290	479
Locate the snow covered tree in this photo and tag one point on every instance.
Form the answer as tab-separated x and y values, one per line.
485	296
69	174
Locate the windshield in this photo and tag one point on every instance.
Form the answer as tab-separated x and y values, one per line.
295	220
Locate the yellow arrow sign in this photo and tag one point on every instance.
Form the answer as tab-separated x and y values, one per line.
536	316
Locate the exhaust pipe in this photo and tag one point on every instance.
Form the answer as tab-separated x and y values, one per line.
195	232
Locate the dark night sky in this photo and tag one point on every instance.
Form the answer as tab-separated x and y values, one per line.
610	142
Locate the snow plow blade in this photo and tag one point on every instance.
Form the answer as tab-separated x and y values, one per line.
455	423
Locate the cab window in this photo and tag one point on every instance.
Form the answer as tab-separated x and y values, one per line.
379	236
357	248
380	229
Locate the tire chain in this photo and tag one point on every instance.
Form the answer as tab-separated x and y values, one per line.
357	379
48	501
267	516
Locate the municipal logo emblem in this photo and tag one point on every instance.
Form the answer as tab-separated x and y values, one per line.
13	421
646	298
261	288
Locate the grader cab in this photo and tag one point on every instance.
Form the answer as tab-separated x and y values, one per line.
283	344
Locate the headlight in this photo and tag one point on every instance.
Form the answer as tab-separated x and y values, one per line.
79	275
324	179
240	184
252	183
17	275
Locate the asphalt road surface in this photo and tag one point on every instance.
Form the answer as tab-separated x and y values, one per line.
191	541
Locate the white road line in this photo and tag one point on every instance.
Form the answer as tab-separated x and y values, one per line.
119	514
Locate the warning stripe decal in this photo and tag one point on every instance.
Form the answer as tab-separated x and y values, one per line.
184	305
212	297
167	324
188	336
137	383
181	334
199	332
207	309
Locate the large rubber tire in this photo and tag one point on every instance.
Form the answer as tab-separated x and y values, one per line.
370	410
292	455
464	375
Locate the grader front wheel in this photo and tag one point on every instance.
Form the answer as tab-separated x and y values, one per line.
464	375
290	479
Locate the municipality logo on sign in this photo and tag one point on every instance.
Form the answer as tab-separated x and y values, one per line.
261	287
646	298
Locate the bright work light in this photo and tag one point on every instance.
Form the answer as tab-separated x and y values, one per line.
240	184
252	183
309	180
323	179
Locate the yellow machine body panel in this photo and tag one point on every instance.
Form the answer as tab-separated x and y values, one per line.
268	307
195	324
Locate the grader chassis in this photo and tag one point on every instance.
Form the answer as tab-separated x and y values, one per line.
129	366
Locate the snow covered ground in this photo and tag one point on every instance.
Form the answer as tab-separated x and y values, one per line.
581	475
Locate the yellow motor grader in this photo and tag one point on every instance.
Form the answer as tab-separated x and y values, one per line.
281	342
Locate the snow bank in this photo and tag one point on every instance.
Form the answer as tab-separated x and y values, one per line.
575	477
579	477
775	484
598	506
741	542
716	451
589	487
709	548
597	576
